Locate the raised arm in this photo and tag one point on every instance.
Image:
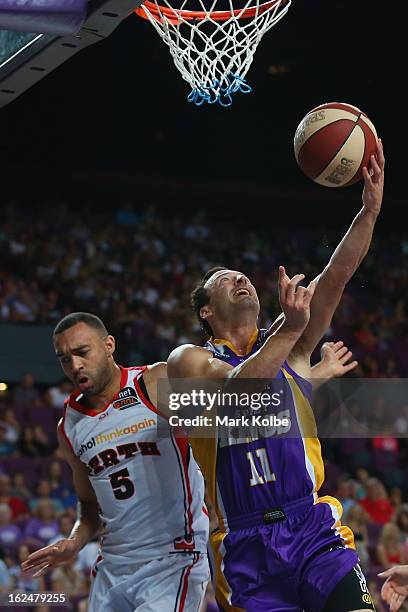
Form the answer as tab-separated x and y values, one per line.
335	362
347	257
395	589
190	361
86	527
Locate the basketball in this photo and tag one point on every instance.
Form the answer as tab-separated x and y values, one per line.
333	142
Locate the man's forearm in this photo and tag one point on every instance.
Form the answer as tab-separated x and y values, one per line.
87	525
320	370
353	247
268	360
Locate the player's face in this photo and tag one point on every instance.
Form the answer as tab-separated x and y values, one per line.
85	357
229	290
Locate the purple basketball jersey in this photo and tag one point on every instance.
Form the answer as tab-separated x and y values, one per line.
268	469
279	548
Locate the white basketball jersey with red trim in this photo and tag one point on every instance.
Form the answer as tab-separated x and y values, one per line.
149	488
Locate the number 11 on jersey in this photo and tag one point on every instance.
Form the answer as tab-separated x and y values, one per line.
267	474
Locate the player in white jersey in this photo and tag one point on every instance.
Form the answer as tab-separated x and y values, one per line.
138	484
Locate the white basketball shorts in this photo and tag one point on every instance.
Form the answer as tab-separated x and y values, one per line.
176	583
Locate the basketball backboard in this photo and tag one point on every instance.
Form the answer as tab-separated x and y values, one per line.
26	58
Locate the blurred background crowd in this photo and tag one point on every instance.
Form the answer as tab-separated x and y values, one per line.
136	273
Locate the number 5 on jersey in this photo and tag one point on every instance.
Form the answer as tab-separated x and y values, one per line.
122	486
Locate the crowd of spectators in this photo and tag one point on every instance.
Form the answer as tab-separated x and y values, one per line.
137	270
136	273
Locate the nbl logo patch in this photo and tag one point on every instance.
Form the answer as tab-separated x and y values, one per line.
126	397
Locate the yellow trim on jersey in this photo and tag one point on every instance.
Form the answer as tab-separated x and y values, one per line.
307	424
222	588
205	454
345	532
249	346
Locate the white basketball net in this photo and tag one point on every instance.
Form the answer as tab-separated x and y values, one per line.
212	49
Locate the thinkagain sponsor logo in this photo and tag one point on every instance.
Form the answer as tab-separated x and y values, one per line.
117	433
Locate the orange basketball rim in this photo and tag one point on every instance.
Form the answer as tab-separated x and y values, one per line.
213	49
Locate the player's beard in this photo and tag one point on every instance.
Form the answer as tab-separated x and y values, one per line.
242	310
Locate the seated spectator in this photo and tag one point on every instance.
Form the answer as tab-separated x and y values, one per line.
56	395
7	448
401	519
365	338
43	492
67	579
396	498
26	393
20	488
23	581
5	578
66	524
385	452
362	477
41	440
11	425
60	488
70	502
377	504
10	534
390	551
32	445
357	521
401	423
344	495
169	302
18	506
72	512
44	525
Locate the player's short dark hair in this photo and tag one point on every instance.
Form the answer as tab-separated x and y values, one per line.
199	297
80	317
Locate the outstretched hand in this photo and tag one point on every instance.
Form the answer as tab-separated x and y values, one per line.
60	553
295	300
374	181
395	589
336	359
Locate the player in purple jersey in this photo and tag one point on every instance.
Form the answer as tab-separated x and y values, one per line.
279	547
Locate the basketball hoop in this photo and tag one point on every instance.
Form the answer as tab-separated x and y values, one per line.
213	49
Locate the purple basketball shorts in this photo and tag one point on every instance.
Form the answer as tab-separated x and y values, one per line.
288	559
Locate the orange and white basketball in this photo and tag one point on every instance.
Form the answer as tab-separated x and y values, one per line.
333	142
